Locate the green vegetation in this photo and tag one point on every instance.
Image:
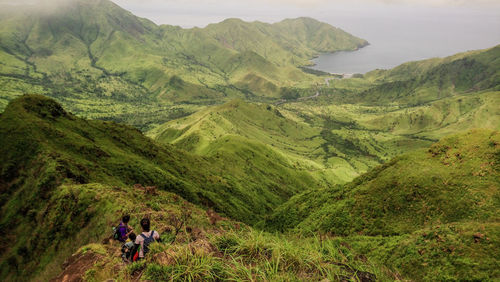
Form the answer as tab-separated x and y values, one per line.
241	133
243	140
454	180
101	61
428	230
230	254
355	124
437	210
43	147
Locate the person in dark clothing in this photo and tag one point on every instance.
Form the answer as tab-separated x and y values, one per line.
124	229
127	248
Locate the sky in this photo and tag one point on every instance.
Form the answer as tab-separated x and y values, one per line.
189	13
398	30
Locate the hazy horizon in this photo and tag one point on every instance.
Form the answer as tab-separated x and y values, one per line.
398	31
414	29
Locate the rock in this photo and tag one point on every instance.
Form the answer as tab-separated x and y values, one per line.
477	237
151	190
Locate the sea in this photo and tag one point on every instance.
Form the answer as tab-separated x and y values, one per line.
396	40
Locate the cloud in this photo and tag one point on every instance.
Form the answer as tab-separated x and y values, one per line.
309	3
282	3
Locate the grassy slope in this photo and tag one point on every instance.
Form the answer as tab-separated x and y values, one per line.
427	205
90	54
397	198
65	181
343	133
231	129
201	250
75	215
43	146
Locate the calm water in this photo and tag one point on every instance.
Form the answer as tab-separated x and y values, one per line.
395	41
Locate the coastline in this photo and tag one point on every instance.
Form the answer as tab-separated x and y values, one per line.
309	68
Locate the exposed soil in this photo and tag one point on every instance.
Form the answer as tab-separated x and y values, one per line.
76	266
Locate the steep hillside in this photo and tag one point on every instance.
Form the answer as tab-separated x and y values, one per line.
439	206
196	245
93	54
339	132
417	83
417	102
76	215
229	130
301	37
43	147
454	180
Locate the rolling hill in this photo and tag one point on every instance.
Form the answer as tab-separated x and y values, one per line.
65	180
250	166
433	206
93	55
43	147
226	130
343	132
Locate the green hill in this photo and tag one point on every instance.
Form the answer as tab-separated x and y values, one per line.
65	181
343	174
44	147
229	130
341	132
428	206
101	61
421	82
196	245
455	179
411	105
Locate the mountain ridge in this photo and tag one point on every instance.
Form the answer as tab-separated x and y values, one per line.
43	147
96	56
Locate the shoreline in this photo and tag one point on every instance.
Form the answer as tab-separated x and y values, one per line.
310	69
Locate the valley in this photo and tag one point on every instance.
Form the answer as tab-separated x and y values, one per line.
250	165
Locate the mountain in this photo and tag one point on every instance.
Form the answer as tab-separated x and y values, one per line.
93	54
196	245
425	100
226	130
42	147
250	166
437	210
456	180
65	181
420	82
416	83
349	126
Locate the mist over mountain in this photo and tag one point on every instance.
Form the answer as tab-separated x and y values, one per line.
96	49
250	164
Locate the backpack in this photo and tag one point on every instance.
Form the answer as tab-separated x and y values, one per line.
136	256
125	248
147	241
116	232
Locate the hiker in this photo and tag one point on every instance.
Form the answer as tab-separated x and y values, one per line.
123	230
144	239
127	247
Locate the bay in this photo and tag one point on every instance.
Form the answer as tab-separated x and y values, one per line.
394	40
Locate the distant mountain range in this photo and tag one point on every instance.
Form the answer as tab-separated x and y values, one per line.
97	50
251	166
